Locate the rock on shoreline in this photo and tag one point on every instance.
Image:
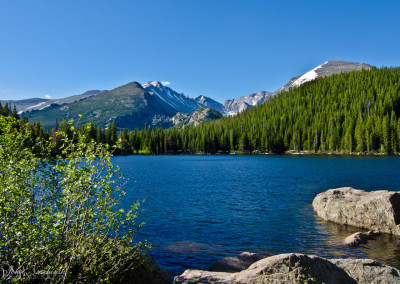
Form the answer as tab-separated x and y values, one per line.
238	263
299	268
377	210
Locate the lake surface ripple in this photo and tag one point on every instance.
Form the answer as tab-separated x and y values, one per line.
199	209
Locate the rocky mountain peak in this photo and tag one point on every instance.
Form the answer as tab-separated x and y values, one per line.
328	68
240	104
131	87
155	84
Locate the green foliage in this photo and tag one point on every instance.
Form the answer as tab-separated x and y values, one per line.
61	214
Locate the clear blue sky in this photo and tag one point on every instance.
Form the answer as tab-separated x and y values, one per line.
221	49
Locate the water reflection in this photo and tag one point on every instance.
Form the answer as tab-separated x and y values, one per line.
384	248
187	247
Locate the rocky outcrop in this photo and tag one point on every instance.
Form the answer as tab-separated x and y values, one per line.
299	268
238	263
199	116
368	270
378	210
235	106
359	238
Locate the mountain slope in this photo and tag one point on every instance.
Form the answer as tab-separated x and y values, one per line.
172	100
327	69
129	105
235	106
179	102
210	103
39	104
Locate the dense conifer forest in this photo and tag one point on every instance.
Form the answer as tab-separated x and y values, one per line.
355	112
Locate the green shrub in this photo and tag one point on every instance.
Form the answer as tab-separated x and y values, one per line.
60	219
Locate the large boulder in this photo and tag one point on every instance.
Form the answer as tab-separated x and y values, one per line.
299	268
377	210
238	263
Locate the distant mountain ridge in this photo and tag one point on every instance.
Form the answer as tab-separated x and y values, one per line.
39	104
132	105
25	104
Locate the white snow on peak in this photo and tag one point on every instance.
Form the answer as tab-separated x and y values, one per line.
201	99
310	75
154	84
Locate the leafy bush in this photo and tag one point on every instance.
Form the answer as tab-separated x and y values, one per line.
59	216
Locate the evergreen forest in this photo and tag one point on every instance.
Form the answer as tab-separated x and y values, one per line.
355	112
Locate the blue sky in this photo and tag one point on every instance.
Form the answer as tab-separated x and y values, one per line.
221	49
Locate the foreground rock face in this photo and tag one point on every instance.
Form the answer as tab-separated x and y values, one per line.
299	268
377	210
368	270
238	263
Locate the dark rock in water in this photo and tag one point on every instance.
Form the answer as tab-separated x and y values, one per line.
376	210
238	263
359	238
188	247
300	268
148	272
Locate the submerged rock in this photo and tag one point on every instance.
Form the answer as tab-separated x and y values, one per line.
359	238
376	210
238	263
299	268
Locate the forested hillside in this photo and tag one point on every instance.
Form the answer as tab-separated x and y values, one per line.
349	112
355	112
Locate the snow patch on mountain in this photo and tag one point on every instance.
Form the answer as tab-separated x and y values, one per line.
35	106
310	75
179	102
327	69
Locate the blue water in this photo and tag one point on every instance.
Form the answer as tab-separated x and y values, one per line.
199	209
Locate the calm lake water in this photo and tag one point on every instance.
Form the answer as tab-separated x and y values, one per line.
199	209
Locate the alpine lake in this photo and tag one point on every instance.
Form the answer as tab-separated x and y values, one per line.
199	209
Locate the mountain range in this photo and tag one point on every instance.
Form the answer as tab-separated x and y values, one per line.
132	105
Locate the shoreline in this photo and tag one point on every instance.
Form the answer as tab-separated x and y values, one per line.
287	153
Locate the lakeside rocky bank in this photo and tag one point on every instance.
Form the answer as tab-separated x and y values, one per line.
297	268
377	211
